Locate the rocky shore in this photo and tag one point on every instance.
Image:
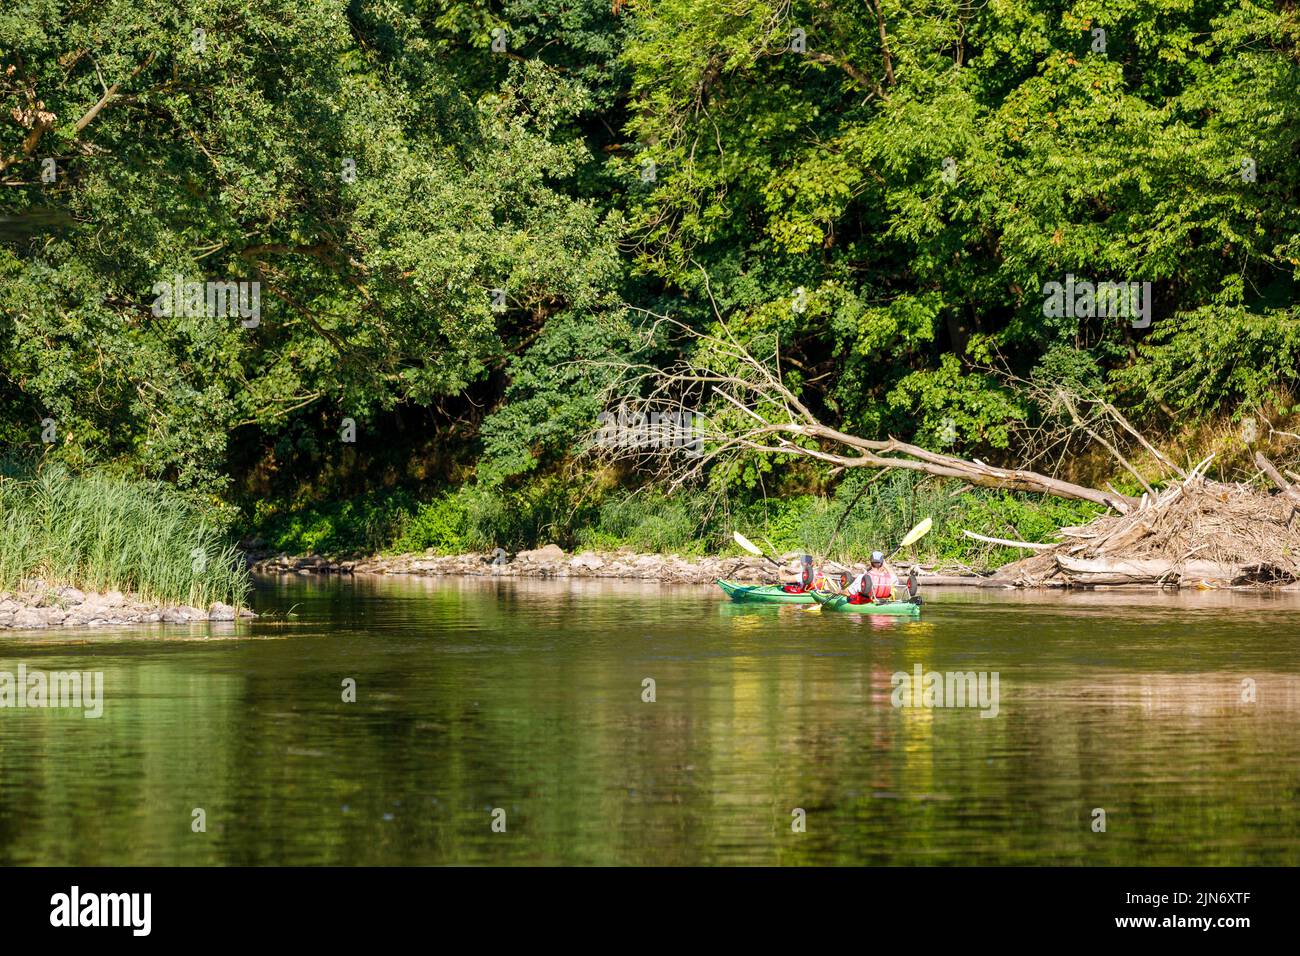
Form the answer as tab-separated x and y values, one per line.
547	562
552	562
38	607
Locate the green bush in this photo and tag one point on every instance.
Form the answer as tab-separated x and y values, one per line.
481	517
651	521
892	503
367	524
440	525
1214	359
472	518
544	511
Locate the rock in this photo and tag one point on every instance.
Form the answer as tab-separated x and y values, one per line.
551	562
181	615
588	561
543	555
71	595
221	612
28	617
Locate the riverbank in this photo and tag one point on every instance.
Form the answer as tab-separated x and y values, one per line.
38	607
553	562
1060	570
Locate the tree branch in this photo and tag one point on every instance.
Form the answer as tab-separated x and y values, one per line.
88	117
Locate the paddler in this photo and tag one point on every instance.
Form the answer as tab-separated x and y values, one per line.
875	584
803	578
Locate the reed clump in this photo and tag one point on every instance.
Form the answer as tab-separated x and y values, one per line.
103	533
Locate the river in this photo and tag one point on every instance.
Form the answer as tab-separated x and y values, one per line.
509	722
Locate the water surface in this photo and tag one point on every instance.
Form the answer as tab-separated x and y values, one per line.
526	697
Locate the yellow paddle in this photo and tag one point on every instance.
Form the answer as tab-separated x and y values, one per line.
754	549
913	536
916	534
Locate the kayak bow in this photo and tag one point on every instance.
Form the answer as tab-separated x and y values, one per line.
763	593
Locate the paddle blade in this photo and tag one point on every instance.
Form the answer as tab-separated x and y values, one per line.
917	533
745	543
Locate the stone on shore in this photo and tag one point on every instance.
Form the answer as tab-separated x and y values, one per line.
29	617
548	554
38	607
182	615
545	562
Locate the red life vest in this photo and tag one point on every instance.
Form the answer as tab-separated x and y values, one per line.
882	587
810	579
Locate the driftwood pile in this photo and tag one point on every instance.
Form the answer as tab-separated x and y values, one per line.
1196	533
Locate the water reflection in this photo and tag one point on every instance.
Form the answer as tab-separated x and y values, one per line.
526	696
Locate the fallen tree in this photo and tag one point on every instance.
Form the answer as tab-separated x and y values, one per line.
1190	531
739	404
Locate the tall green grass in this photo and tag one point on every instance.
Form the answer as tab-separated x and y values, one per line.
102	533
650	521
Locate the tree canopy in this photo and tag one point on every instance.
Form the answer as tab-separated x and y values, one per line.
453	210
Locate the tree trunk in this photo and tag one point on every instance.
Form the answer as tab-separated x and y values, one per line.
1144	571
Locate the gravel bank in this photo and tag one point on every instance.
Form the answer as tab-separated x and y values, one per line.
39	606
552	562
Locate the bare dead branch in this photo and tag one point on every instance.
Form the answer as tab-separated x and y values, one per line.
739	405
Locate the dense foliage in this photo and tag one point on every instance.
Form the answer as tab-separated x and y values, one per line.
448	205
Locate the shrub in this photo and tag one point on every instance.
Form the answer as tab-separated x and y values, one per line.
651	521
366	524
440	525
1214	359
892	503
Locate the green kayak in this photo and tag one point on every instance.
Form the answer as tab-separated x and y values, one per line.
838	602
766	593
